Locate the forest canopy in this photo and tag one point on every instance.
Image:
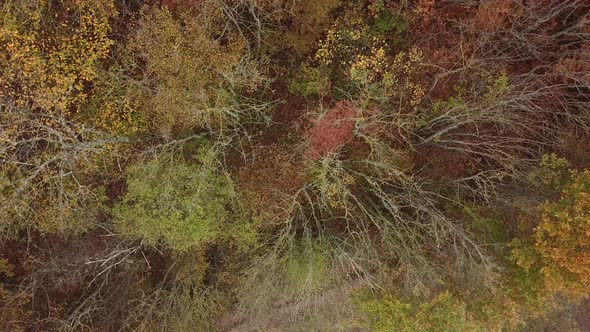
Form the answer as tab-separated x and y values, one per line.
294	165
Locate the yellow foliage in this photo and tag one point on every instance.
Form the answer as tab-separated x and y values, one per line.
52	49
113	105
368	53
395	75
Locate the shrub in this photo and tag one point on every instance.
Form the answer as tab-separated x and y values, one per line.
359	32
385	81
384	21
296	274
334	129
552	172
489	225
181	204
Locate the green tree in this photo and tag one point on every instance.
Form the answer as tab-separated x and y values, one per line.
388	313
176	202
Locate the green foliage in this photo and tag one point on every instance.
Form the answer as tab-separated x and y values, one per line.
488	224
181	204
497	86
494	87
306	265
553	172
354	35
385	21
310	81
388	313
452	102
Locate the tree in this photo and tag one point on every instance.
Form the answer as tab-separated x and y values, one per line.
52	50
48	167
51	55
444	312
196	72
559	246
175	202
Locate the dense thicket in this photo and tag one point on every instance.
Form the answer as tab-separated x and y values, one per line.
254	165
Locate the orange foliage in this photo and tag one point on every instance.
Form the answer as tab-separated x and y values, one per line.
560	244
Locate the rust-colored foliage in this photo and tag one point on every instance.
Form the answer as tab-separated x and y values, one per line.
443	162
494	14
332	131
170	4
262	183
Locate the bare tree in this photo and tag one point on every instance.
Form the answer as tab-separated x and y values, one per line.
49	165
